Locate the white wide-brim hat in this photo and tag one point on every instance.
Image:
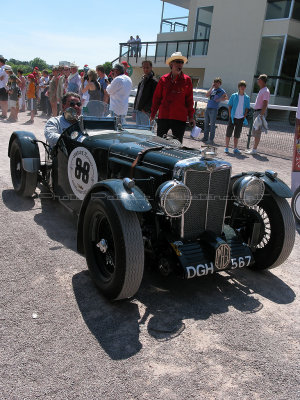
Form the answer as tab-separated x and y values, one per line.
176	56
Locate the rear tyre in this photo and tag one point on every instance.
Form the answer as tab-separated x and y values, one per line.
296	205
278	232
114	247
24	182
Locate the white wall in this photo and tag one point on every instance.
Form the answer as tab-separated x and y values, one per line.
234	41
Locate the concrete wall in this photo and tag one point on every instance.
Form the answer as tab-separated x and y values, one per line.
234	45
234	41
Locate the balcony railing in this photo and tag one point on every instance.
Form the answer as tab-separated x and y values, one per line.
178	24
163	49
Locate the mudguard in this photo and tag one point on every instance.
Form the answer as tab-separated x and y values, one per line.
29	149
272	182
132	200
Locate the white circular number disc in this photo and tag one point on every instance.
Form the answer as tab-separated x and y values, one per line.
82	171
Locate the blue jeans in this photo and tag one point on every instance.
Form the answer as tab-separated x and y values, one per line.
210	123
142	119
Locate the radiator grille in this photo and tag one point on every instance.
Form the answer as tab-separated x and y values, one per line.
209	191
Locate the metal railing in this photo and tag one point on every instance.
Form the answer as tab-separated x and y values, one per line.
173	25
280	86
163	49
277	142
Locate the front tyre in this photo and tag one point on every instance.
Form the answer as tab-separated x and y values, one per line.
278	232
24	182
296	205
113	246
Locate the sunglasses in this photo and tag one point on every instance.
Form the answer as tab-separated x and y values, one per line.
179	61
73	104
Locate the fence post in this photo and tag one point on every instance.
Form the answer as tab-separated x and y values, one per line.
250	130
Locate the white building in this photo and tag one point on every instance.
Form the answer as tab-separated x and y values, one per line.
234	39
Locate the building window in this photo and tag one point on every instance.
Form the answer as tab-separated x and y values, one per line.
269	59
296	10
277	9
202	30
280	59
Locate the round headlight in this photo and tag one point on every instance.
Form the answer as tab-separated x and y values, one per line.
174	198
249	190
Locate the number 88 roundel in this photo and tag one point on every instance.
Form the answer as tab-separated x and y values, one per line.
82	171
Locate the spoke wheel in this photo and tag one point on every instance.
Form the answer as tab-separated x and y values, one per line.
277	236
24	182
113	246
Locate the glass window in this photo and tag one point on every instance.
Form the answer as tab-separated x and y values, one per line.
269	58
296	10
202	31
277	9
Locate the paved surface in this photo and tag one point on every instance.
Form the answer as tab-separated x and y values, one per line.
227	336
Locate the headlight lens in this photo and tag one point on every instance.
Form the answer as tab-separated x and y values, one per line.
174	198
249	190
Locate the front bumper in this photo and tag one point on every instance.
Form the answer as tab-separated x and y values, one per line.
201	258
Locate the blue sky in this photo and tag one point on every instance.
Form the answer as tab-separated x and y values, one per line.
85	32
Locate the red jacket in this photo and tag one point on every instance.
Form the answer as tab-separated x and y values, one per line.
173	99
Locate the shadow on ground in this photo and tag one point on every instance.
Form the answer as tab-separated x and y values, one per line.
58	222
161	305
165	304
15	202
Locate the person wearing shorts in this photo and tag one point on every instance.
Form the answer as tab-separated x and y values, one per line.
238	105
13	94
3	91
260	108
31	97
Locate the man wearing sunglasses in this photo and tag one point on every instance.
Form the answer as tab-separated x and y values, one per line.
173	98
56	125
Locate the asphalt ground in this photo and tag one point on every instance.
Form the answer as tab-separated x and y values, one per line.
228	336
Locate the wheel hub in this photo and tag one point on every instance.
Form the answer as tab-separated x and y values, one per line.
102	245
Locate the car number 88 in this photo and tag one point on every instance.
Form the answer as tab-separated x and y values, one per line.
240	262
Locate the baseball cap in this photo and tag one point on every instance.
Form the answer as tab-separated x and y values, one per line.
125	63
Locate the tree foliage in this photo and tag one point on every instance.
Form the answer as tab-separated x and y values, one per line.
28	66
107	67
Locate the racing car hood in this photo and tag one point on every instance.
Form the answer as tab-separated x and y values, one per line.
158	152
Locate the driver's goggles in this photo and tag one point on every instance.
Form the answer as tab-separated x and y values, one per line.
73	104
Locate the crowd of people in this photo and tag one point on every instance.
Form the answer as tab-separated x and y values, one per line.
44	91
169	99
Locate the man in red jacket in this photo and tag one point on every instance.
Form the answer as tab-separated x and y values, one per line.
173	97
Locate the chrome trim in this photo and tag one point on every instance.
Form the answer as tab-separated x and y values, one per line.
165	189
205	224
242	184
203	165
223	256
226	202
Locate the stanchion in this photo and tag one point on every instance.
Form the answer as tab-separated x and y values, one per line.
250	120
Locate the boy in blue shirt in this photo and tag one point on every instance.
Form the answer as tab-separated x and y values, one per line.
239	104
215	94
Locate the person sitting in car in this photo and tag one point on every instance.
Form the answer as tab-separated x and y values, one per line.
56	125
